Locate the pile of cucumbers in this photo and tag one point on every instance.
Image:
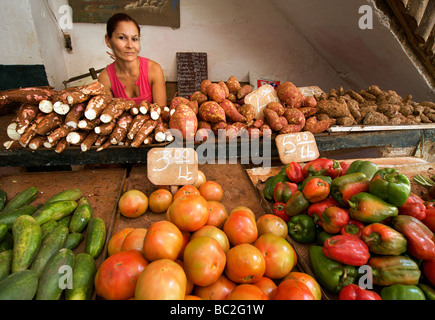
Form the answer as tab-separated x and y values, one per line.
36	246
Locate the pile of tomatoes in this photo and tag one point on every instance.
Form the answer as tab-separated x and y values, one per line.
199	250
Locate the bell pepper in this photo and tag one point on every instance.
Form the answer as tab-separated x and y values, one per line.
428	290
346	249
364	166
384	240
294	172
355	292
428	268
429	220
272	181
390	185
323	167
284	190
353	228
402	292
278	210
368	208
296	204
302	228
414	207
345	187
389	270
333	219
318	207
421	241
316	190
322	236
331	275
344	167
305	181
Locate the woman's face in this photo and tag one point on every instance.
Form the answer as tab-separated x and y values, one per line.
125	41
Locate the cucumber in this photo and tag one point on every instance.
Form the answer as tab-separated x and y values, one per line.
81	216
5	263
3	199
47	227
54	211
3	231
54	241
26	233
7	243
73	194
95	236
20	285
83	278
9	217
65	221
23	198
73	240
56	275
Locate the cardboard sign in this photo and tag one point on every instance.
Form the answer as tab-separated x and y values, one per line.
261	97
172	166
297	147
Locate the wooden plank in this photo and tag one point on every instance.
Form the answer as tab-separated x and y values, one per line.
381	128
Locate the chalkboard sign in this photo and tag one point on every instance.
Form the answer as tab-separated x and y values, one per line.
297	147
192	70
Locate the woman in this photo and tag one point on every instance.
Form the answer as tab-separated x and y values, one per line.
131	77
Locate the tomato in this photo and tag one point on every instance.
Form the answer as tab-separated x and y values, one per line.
267	285
204	260
115	242
189	284
292	289
218	290
240	227
162	279
200	179
186	239
163	240
270	223
308	280
191	297
277	253
245	264
217	214
117	275
211	190
160	200
133	203
247	292
188	212
214	232
243	208
134	240
186	190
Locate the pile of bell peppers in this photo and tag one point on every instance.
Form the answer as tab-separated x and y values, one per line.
355	215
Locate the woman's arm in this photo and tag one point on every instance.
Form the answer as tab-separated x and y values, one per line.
158	85
105	80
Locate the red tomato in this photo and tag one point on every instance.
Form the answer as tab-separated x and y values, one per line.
115	242
215	233
160	200
243	208
186	239
163	240
270	223
133	203
189	284
162	279
188	212
211	190
204	260
134	240
191	297
241	227
245	264
267	285
292	289
217	214
277	253
186	190
308	280
117	276
247	292
218	290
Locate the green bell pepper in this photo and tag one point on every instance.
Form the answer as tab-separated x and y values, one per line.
368	208
391	186
428	290
296	204
389	270
302	228
402	292
332	275
322	236
343	188
271	183
364	166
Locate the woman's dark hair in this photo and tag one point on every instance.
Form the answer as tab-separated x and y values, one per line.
112	23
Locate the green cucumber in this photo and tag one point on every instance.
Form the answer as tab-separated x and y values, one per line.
20	285
3	231
54	241
65	221
73	240
54	211
72	194
23	198
83	278
9	217
7	243
27	236
5	263
95	236
56	275
3	199
47	227
81	216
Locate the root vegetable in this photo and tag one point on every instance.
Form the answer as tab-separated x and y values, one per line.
113	110
211	111
88	125
77	97
176	101
272	119
249	112
333	108
25	115
165	115
120	132
308	111
310	102
61	146
155	111
144	132
289	94
356	96
258	122
95	107
243	91
231	112
159	131
61	108
224	87
31	95
294	116
136	124
87	144
28	135
215	92
58	134
100	140
74	115
104	146
233	84
48	123
204	85
314	126
277	107
36	142
144	107
93	89
194	106
375	118
11	131
76	137
231	131
105	129
291	128
185	121
199	97
46	106
11	144
217	126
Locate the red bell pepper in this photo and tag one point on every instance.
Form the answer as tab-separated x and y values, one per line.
353	228
333	219
429	270
429	221
316	190
278	209
355	292
346	249
294	172
414	207
344	166
317	208
284	190
323	167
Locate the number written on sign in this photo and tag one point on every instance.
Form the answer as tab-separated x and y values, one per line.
298	147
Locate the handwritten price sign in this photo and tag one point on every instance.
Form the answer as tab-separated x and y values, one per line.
172	166
297	147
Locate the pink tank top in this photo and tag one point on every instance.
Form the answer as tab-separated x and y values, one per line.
145	91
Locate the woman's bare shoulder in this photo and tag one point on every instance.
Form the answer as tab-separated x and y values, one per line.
105	80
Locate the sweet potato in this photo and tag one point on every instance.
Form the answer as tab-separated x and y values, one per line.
175	102
243	91
249	112
231	131
277	107
294	116
289	94
211	111
291	128
272	119
258	122
185	121
308	111
199	97
204	85
314	126
233	85
224	87
231	112
310	102
216	127
215	92
194	106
